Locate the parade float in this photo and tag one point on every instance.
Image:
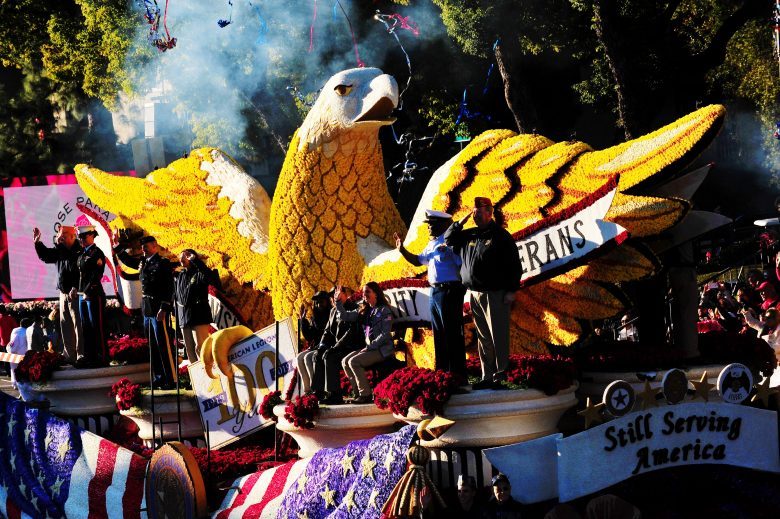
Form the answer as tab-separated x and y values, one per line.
580	219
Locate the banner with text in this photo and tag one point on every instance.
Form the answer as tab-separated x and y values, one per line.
670	436
255	371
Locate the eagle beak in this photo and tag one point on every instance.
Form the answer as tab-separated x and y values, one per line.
379	103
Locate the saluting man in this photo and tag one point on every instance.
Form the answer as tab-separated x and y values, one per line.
447	292
156	275
92	299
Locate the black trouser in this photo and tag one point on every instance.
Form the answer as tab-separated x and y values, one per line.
318	380
333	358
447	322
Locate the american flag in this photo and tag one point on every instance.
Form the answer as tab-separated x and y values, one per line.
51	468
350	482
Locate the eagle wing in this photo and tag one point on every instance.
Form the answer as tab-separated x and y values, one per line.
528	178
204	202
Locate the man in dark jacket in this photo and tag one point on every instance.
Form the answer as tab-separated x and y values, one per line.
339	339
312	330
65	255
193	313
91	297
156	274
491	272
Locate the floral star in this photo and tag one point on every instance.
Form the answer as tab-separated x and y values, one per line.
591	413
63	449
349	499
12	423
47	441
389	459
23	488
34	501
26	435
13	460
327	495
367	464
55	488
302	483
648	396
372	499
346	464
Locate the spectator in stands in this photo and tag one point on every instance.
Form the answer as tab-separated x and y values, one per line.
36	339
501	504
755	278
65	255
628	329
768	295
7	324
312	330
376	319
767	326
707	321
466	505
728	311
17	344
746	297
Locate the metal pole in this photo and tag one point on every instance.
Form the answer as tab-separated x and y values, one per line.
151	379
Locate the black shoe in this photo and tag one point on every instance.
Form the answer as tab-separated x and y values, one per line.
499	376
498	386
482	384
83	363
366	399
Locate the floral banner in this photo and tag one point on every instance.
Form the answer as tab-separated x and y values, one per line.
637	443
230	405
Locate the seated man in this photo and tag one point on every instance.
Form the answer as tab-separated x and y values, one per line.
312	330
339	340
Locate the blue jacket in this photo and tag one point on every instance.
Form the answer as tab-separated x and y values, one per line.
377	326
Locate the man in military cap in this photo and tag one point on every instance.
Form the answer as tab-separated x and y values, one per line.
65	255
156	274
491	273
446	301
91	264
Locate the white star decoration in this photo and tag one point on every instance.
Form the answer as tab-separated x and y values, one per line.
372	499
349	499
327	495
302	483
346	464
389	459
26	435
62	450
23	488
55	488
367	464
47	441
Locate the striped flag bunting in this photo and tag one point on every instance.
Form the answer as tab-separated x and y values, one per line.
349	482
49	467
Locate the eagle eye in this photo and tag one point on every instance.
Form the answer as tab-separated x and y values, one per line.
343	90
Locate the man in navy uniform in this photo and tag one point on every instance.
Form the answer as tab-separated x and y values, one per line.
156	275
447	292
65	255
91	264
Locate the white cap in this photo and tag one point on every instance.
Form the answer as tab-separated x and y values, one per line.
82	229
431	214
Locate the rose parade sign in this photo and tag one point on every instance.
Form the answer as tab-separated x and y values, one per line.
229	402
637	443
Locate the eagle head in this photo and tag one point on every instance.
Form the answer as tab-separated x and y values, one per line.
354	100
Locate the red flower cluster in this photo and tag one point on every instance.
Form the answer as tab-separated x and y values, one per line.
128	349
126	393
728	347
426	389
302	410
37	366
346	387
547	373
184	377
270	400
231	464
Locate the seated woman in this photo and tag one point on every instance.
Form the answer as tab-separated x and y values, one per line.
376	321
